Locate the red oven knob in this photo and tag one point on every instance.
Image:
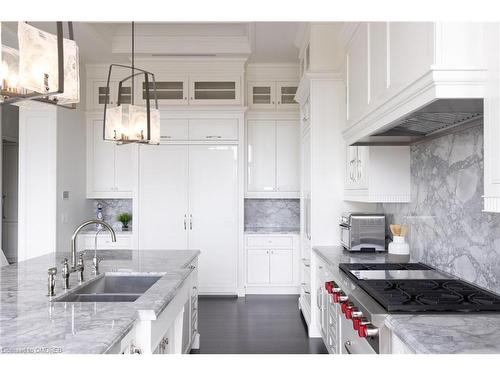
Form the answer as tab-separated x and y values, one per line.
344	306
329	286
339	297
367	330
349	311
356	319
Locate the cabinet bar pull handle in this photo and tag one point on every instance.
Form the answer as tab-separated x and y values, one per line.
185	224
213	136
190	222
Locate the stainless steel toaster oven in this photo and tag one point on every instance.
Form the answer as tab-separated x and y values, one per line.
362	231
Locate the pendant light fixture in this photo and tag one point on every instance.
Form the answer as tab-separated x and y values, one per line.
130	123
45	68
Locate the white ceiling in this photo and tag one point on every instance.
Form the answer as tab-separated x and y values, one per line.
262	42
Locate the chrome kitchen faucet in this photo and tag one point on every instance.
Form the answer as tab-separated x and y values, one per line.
78	266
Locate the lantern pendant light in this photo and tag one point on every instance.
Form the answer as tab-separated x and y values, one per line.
45	69
130	123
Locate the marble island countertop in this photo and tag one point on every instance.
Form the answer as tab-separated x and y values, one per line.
271	230
31	323
428	333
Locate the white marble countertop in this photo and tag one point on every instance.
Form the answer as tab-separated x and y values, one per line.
428	333
31	322
271	230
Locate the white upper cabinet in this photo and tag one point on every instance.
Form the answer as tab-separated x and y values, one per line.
394	68
169	90
261	156
287	156
110	168
272	95
209	90
262	95
377	174
273	152
191	81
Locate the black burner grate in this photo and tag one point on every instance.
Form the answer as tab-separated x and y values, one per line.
423	296
412	296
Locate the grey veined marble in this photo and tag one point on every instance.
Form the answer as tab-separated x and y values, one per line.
448	229
30	322
272	213
112	208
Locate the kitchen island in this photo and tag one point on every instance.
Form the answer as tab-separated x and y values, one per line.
424	333
32	322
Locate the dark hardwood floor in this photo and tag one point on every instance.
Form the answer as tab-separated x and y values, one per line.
257	324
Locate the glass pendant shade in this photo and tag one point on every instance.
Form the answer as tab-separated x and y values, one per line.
9	71
127	123
38	64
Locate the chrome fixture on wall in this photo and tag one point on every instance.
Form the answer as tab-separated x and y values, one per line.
45	68
130	123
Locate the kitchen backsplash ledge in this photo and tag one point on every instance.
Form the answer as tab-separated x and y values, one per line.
272	213
448	229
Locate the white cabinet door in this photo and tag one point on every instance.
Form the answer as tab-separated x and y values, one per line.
287	156
213	129
257	266
261	156
169	90
101	170
261	95
357	73
124	167
213	221
207	91
281	267
285	95
174	129
163	197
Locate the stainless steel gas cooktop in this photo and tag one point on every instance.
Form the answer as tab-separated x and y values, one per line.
417	288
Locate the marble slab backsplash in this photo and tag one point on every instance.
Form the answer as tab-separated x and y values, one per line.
272	213
448	229
112	208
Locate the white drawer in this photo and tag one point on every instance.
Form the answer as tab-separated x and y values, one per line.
213	129
275	242
104	242
174	129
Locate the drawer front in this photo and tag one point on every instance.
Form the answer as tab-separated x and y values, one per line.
275	242
174	130
103	243
213	129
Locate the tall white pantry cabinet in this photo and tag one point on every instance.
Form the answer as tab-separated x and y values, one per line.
187	197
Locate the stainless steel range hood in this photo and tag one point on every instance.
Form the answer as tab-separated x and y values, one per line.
441	117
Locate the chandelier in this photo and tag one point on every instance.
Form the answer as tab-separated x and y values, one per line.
44	68
130	123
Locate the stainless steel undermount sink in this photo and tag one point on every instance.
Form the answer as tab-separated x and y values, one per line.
111	288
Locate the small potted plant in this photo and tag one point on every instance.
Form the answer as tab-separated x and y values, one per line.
124	218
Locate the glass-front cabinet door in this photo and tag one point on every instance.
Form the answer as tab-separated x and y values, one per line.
261	95
213	91
169	90
286	95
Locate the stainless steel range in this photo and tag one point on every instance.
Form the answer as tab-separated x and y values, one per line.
367	292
